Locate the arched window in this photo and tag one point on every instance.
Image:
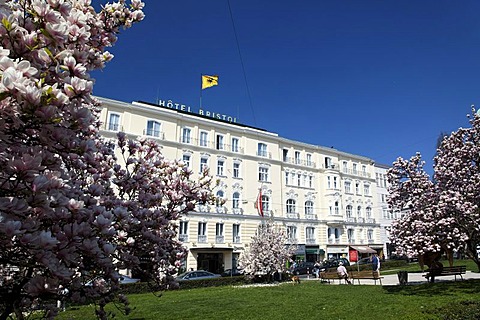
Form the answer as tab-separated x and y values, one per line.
308	207
219	200
236	200
291	206
368	212
337	208
359	211
349	211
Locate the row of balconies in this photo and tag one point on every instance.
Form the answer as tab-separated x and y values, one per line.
308	241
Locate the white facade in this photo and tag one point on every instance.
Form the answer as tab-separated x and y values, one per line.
326	200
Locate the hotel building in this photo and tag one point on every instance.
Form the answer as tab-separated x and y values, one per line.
326	200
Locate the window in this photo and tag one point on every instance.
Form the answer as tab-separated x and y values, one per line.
348	187
203	139
220	142
203	164
329	183
262	149
370	235
291	206
299	179
350	235
114	122
345	167
359	211
186	160
219	199
265	203
292	233
368	212
236	233
337	208
309	159
183	231
308	207
366	189
153	128
236	170
310	181
349	211
287	180
285	155
328	163
186	135
263	174
220	167
297	157
357	188
235	143
310	233
334	182
219	229
202	232
236	200
354	166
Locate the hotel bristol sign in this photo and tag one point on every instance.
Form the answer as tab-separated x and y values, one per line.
182	107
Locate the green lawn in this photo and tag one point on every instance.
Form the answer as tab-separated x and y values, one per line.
308	300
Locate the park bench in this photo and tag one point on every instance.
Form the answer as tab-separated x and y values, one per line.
330	275
446	271
365	274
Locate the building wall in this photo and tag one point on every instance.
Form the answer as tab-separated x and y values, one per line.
297	172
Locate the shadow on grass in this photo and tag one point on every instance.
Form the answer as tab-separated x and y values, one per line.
445	288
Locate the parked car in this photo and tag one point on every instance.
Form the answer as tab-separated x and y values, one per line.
123	280
303	268
196	275
127	279
333	263
232	273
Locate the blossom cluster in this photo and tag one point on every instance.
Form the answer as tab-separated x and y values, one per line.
443	213
68	213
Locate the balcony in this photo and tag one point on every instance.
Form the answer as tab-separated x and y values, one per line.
370	220
310	241
264	154
311	216
237	239
219	239
237	211
351	240
202	239
292	240
333	240
220	210
113	127
305	163
183	237
293	215
154	134
351	220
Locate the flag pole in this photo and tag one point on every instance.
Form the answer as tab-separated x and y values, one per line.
201	83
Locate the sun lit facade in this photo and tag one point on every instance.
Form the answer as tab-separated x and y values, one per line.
325	199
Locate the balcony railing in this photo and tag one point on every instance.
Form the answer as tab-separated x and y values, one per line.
237	239
237	211
264	154
306	163
311	216
154	134
202	239
183	237
334	240
294	215
310	241
220	239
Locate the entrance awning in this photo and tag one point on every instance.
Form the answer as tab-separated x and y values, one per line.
363	249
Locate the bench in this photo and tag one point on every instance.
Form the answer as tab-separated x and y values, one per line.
446	271
330	275
365	274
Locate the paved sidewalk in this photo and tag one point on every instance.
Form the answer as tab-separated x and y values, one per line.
413	278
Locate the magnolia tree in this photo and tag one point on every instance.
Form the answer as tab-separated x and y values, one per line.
68	213
443	215
268	252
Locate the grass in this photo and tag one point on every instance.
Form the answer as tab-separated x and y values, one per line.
309	300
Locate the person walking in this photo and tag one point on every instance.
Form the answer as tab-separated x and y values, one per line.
376	264
342	272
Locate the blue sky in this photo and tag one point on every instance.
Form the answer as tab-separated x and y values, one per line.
380	79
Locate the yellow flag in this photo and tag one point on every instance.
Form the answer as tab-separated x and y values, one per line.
209	81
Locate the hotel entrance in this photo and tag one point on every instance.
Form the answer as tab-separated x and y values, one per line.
212	262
